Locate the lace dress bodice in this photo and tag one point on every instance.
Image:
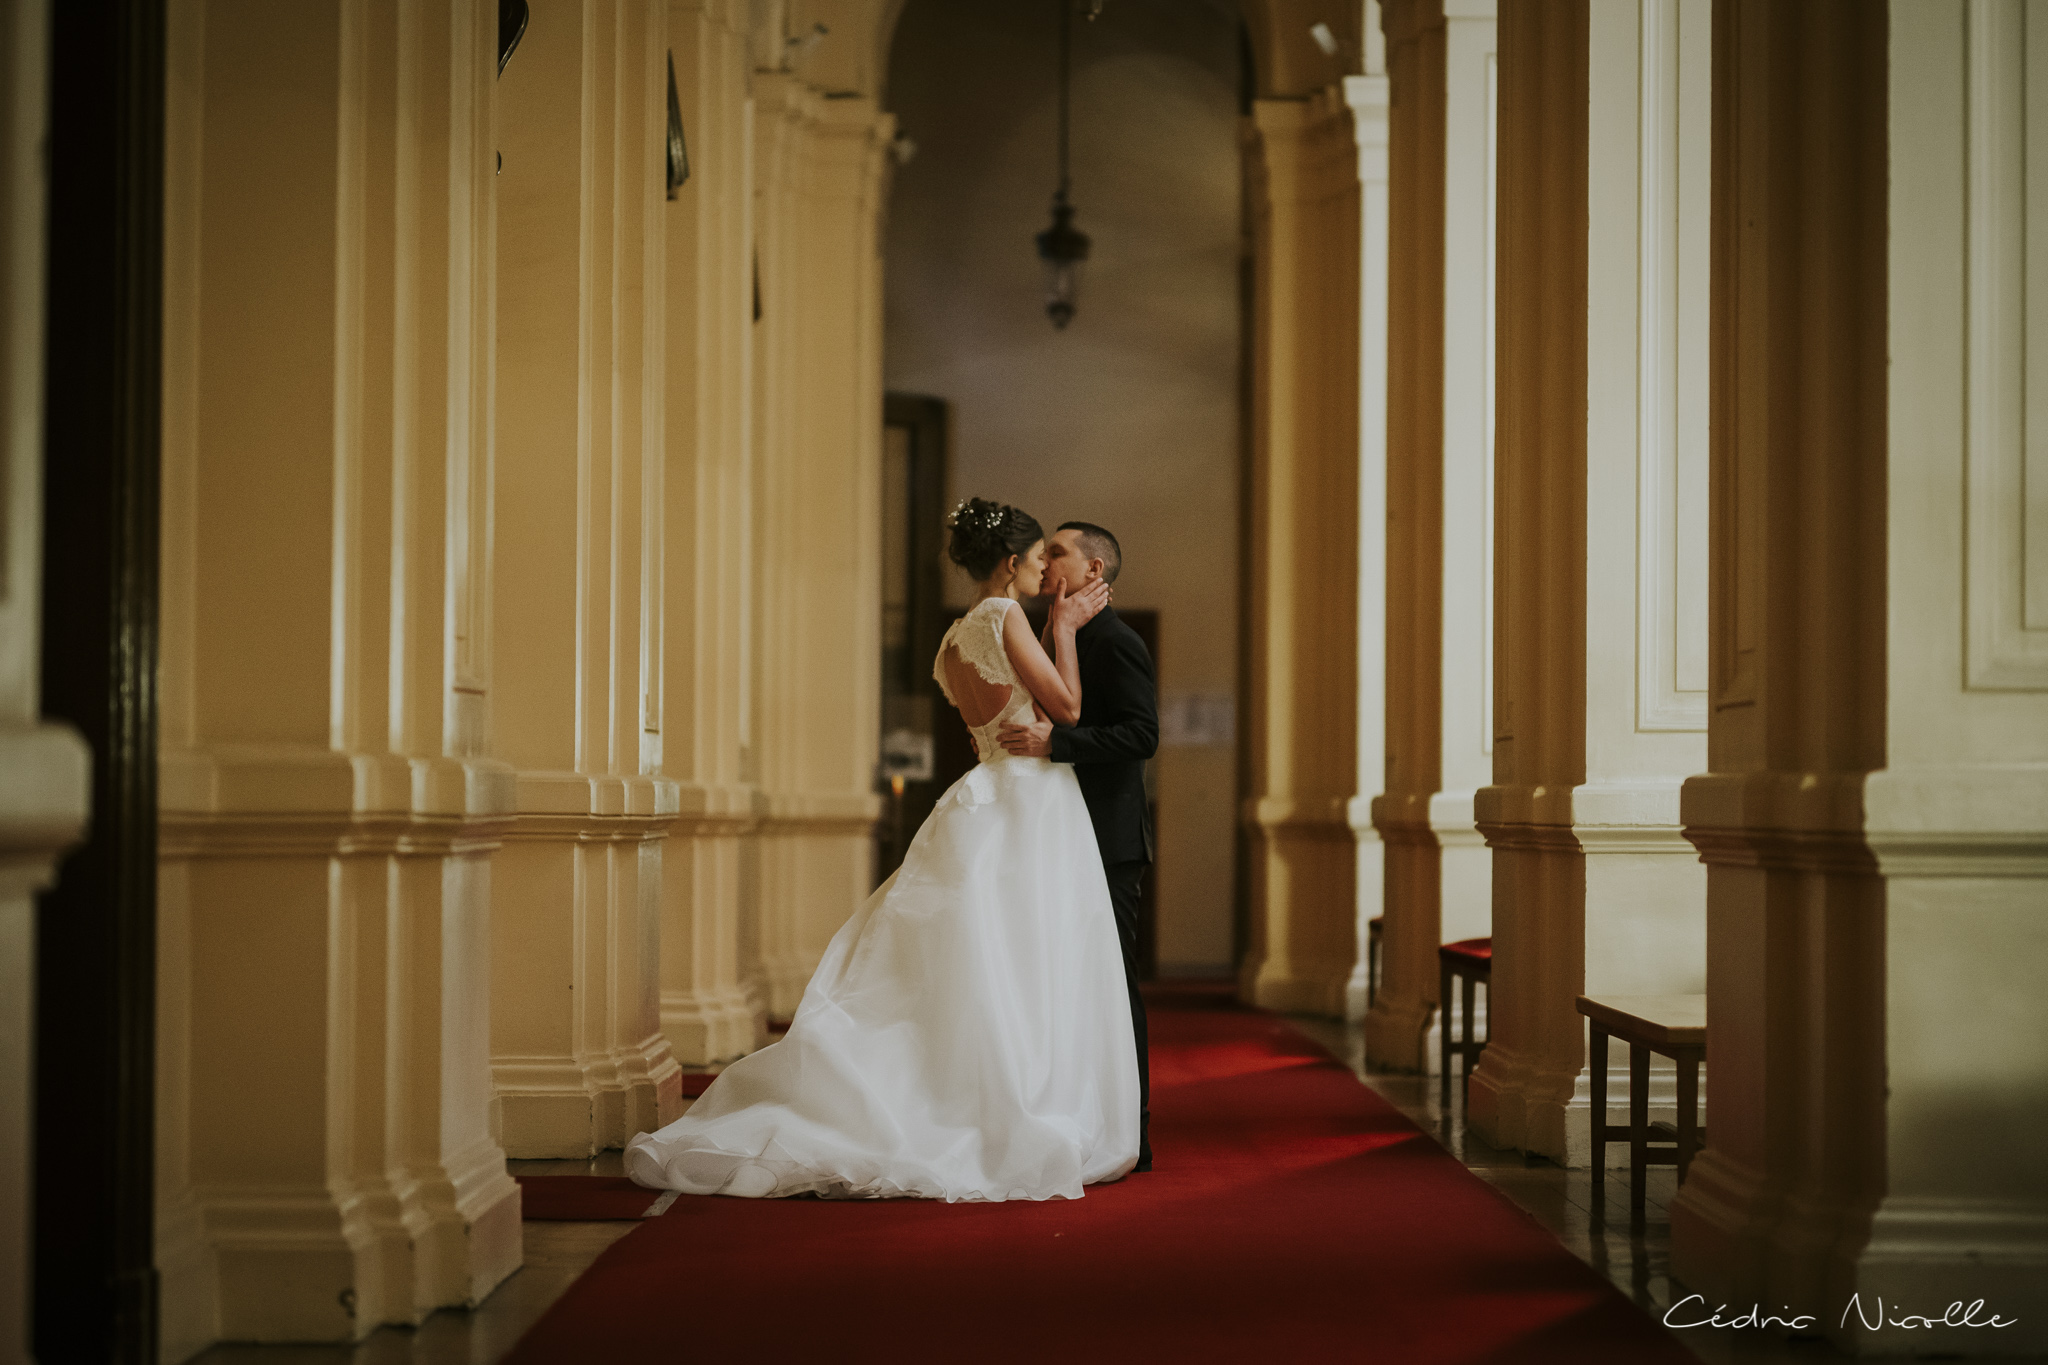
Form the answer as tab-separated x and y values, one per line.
979	637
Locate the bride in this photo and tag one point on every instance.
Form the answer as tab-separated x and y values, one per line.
968	1034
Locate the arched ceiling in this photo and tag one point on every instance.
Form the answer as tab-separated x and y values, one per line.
855	58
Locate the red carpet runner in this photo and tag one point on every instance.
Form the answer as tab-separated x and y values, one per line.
1295	1216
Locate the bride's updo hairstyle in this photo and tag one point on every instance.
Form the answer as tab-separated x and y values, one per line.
987	533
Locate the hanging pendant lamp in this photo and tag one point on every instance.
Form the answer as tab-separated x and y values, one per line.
1063	248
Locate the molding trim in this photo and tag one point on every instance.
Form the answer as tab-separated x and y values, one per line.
1961	854
1301	818
1528	836
2005	593
1671	461
1974	821
1402	818
295	779
184	834
1906	1228
1783	821
585	828
832	814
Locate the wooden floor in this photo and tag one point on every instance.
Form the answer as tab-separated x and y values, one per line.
1561	1200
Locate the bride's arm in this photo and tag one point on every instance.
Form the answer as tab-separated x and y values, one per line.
1054	683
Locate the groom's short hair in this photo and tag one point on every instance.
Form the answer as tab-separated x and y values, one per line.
1097	543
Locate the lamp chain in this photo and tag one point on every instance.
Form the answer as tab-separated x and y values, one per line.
1066	49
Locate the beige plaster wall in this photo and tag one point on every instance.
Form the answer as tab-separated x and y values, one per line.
1131	416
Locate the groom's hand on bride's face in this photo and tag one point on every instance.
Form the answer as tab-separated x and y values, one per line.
1028	741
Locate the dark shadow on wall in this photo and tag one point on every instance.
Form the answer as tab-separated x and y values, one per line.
94	1137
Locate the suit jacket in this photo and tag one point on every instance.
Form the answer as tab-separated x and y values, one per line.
1118	731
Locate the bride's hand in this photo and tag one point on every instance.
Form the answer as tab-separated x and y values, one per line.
1071	613
1089	602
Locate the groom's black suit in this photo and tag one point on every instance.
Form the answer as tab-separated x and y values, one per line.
1118	731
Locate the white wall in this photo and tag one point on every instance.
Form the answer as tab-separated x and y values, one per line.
1130	417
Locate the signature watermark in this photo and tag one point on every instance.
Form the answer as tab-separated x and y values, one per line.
1692	1311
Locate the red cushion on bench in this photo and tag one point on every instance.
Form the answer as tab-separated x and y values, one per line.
1474	950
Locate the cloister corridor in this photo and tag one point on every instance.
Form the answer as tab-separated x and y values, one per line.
475	481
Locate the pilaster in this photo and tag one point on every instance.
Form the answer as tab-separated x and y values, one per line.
1943	1201
1778	1205
579	1055
1440	64
1600	552
713	1005
1368	97
1304	183
328	808
819	167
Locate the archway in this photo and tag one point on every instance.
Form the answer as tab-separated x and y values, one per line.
1132	416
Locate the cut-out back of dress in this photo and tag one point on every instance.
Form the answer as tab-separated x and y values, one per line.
976	641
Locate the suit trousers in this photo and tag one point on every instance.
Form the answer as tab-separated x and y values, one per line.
1126	885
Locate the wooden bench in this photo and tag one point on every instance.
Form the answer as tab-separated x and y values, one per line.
1675	1026
1469	961
1375	930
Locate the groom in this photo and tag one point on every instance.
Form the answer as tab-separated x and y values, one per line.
1119	730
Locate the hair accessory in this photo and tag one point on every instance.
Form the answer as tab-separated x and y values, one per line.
990	518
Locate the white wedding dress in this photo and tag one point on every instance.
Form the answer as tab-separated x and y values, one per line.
968	1034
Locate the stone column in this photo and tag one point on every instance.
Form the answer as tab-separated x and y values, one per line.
324	1146
1303	182
1439	507
1873	818
818	198
1601	582
1368	97
45	770
712	1003
578	1052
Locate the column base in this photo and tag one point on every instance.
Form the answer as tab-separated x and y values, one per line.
291	1270
464	1227
785	979
536	1124
188	1280
1925	1255
1497	1100
291	1266
1356	991
1397	1035
559	1110
1550	1114
707	1028
1310	989
1719	1227
649	1088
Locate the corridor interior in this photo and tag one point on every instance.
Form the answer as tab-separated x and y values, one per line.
471	523
1588	1218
